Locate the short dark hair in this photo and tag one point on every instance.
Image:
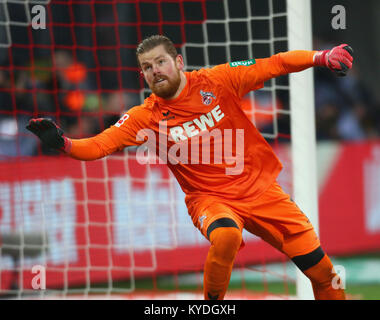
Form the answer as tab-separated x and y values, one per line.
155	41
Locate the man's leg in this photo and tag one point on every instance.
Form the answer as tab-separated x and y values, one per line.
280	222
223	228
225	237
317	266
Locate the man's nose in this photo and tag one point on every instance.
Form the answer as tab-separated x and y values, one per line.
156	69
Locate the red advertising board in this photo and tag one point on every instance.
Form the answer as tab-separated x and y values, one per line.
349	200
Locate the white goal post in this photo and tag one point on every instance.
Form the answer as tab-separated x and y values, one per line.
303	133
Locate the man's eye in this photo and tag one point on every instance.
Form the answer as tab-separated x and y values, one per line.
161	61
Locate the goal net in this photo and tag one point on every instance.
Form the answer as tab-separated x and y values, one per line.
116	228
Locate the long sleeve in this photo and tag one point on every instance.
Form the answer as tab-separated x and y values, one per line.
124	133
95	147
284	63
245	76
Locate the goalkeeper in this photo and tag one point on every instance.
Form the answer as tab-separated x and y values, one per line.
221	202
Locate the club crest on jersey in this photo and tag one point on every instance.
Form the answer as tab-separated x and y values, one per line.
122	120
207	97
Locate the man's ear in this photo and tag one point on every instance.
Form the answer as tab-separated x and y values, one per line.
179	62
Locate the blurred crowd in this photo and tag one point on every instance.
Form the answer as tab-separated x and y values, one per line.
345	108
63	93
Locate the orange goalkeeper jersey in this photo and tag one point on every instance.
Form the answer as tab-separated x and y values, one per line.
203	135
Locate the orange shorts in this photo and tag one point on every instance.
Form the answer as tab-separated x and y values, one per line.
273	216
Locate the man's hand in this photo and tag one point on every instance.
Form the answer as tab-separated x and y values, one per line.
50	134
338	59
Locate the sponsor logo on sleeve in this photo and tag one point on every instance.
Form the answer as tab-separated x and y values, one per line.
244	63
122	120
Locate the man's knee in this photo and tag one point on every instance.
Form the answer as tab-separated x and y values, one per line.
225	240
322	276
306	261
317	266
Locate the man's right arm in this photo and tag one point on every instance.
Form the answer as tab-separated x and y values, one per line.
99	146
115	138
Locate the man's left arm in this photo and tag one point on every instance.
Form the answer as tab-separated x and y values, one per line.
339	59
247	78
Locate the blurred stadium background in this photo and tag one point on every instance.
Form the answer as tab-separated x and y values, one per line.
114	228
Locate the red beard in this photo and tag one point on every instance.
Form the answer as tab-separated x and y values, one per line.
168	89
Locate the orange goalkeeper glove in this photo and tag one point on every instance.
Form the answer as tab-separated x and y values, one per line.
338	59
49	133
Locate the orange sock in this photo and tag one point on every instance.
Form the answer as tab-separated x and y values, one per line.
322	278
225	243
